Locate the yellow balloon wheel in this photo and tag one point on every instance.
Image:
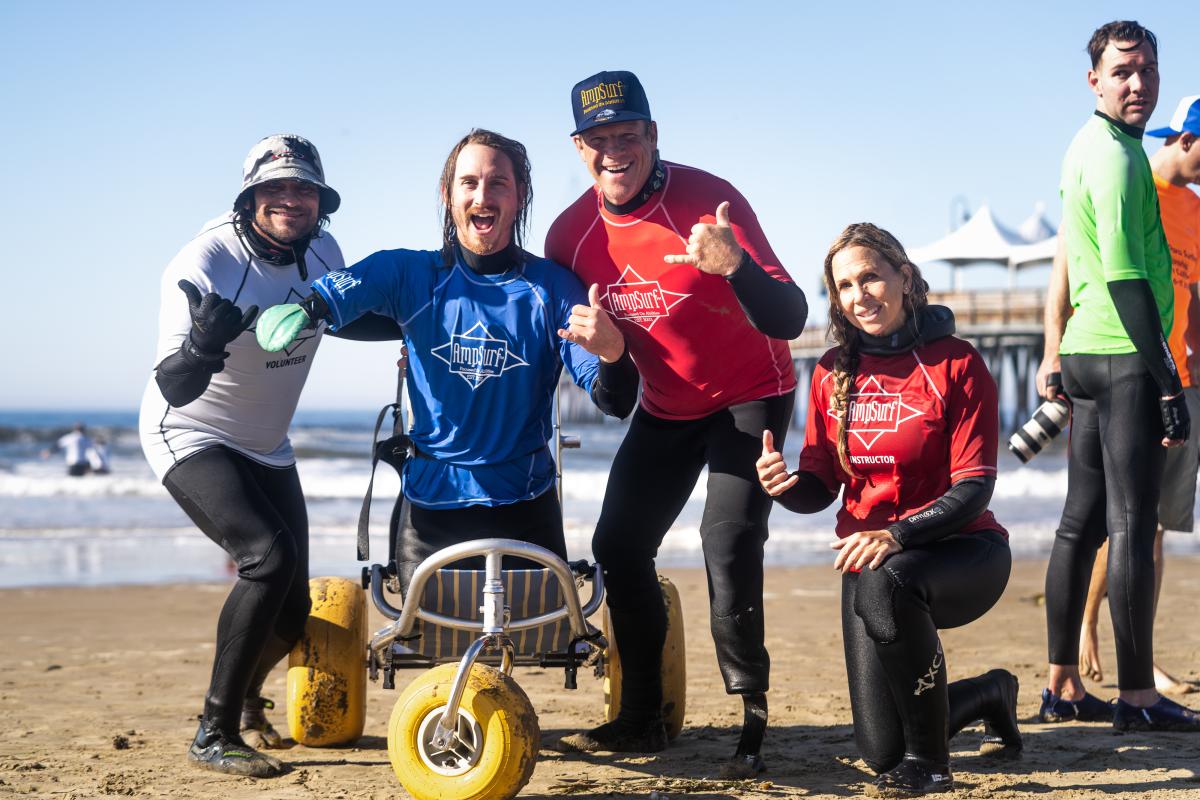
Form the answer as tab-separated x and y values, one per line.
674	665
495	743
327	673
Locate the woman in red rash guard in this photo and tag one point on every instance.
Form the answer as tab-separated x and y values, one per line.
903	415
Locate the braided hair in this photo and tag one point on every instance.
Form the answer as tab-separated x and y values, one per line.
844	333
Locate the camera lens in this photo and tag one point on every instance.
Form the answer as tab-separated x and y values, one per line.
1046	423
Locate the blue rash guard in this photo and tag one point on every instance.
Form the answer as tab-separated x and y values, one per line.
484	359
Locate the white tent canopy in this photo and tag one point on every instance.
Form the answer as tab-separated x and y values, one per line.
979	239
1036	228
1033	255
984	240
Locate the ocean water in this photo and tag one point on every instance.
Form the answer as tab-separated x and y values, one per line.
125	528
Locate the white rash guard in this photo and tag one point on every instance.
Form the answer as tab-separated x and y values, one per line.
75	446
249	405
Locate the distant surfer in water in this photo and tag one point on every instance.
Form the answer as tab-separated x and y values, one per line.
75	446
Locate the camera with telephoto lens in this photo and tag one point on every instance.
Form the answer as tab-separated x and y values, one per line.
1046	423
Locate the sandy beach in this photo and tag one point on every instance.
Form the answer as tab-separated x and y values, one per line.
100	687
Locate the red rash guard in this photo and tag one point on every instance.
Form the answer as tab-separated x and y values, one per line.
919	421
695	349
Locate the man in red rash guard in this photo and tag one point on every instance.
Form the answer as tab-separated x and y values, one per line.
706	312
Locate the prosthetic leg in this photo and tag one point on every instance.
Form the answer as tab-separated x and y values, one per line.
745	667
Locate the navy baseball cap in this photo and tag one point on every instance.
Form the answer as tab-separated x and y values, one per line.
608	97
1187	118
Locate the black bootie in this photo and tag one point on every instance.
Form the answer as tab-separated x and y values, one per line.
621	735
991	697
221	751
912	777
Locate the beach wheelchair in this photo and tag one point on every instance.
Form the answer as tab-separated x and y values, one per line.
463	729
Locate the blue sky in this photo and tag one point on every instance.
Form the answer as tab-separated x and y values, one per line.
123	128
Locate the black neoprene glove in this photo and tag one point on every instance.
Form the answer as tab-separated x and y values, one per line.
1177	422
215	323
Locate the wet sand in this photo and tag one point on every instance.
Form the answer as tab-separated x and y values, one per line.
100	688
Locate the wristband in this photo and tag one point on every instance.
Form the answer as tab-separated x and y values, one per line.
213	362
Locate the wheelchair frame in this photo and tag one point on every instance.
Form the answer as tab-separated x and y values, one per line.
386	653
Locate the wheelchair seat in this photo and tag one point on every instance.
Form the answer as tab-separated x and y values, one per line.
458	593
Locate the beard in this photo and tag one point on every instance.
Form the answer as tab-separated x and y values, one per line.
483	244
284	230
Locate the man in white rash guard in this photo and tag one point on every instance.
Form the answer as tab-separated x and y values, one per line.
214	425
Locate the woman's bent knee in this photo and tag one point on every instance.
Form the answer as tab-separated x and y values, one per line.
875	604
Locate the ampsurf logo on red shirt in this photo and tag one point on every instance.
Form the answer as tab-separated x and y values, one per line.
874	412
638	300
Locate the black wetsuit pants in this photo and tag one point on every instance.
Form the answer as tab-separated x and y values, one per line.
257	515
1114	474
652	476
424	531
899	696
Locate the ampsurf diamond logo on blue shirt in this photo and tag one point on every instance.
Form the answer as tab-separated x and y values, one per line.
476	355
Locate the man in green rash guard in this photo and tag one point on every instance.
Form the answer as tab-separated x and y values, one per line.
1111	219
1128	400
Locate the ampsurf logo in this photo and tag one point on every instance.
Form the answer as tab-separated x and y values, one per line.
477	355
638	300
341	282
874	412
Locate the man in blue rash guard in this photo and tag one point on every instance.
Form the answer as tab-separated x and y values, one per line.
488	328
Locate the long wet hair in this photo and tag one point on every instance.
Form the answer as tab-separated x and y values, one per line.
515	152
843	333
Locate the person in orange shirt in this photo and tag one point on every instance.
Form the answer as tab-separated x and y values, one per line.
1175	165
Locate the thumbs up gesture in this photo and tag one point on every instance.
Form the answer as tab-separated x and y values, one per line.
712	248
591	328
772	471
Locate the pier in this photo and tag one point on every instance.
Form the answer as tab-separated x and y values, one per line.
1005	326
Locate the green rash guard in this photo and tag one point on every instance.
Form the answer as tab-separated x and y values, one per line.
1114	233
